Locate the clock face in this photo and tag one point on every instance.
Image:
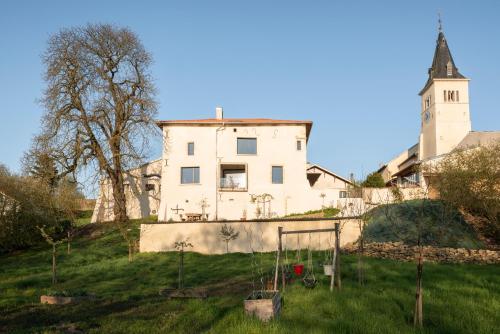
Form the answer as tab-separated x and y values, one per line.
427	116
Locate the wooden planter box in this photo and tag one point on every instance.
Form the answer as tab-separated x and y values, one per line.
265	305
59	300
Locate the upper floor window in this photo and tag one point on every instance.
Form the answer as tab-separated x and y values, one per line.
299	145
247	145
343	194
190	175
190	148
428	102
277	174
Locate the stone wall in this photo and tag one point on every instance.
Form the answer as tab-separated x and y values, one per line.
400	251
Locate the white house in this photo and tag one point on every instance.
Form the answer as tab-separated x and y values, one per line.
227	169
445	121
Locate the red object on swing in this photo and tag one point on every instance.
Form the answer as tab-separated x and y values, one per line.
298	269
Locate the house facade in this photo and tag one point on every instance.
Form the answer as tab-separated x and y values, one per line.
227	169
445	122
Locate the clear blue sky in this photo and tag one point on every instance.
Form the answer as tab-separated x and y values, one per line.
352	67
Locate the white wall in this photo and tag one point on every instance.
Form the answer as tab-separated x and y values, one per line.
140	203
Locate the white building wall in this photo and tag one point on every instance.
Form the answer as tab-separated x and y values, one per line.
276	146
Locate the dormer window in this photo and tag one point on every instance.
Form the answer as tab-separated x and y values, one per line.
449	69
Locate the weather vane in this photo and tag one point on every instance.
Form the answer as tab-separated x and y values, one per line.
440	27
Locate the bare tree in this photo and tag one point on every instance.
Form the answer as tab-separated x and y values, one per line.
99	103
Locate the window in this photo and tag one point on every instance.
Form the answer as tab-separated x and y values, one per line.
190	148
277	174
343	194
190	175
457	96
299	145
444	96
247	146
150	187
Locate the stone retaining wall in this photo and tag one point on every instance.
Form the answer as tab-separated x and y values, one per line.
400	251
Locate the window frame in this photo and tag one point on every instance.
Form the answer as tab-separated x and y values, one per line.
228	189
298	145
193	176
282	174
237	146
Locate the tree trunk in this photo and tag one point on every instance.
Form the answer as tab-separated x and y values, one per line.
54	277
181	269
130	251
227	246
119	198
361	249
418	313
69	242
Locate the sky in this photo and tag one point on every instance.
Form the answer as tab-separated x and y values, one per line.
352	67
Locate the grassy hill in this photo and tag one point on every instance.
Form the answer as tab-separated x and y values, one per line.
442	226
458	298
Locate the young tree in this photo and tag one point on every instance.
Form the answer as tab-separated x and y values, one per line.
99	102
51	240
470	180
227	234
373	180
180	245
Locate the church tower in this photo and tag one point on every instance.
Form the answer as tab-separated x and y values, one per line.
445	104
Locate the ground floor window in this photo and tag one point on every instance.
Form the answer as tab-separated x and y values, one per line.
343	194
190	175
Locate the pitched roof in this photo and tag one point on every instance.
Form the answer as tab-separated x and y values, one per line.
309	166
441	62
237	121
479	138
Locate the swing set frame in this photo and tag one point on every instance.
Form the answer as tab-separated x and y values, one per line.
335	278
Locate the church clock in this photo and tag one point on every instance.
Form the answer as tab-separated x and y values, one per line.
427	116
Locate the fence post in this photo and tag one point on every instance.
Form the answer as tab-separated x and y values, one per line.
278	259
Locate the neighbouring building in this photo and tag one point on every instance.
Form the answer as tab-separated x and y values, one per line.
142	191
228	169
445	122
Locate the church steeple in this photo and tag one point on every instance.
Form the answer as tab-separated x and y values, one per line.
443	66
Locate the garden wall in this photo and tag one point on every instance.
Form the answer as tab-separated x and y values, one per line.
399	251
253	236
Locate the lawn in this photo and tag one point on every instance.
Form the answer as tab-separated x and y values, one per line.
458	298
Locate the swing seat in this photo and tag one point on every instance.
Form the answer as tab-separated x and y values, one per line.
310	281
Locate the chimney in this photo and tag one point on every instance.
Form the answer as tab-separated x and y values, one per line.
219	113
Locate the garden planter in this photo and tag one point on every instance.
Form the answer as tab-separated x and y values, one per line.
328	269
63	300
298	269
265	305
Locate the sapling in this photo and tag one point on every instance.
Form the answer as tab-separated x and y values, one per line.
180	245
51	241
227	234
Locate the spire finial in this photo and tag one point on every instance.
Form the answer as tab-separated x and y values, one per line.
440	25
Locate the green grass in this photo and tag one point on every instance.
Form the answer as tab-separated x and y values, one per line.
327	212
457	298
441	226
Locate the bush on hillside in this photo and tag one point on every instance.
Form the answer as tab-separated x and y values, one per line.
443	227
26	204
